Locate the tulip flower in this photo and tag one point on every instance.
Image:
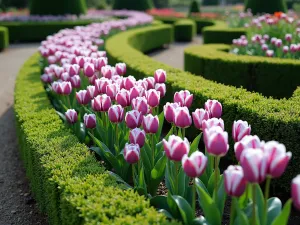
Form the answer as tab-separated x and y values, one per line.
58	71
52	59
65	76
194	166
254	163
101	85
112	90
161	88
132	153
182	117
176	147
240	129
207	124
234	181
83	97
89	69
142	83
184	98
214	108
123	98
116	114
89	120
128	82
137	136
71	116
93	78
278	158
270	53
91	91
101	62
108	71
73	70
199	116
121	68
46	78
150	124
247	142
151	82
169	111
75	81
136	91
63	88
101	103
153	98
296	192
216	141
160	76
140	104
133	119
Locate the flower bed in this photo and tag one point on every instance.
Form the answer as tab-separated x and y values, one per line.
3	38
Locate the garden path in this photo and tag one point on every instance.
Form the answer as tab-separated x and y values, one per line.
16	203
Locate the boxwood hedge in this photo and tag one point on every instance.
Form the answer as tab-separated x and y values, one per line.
184	30
3	38
68	182
270	76
269	118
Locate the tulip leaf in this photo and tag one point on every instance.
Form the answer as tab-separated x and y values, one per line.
146	163
204	178
210	209
173	206
202	185
157	174
195	144
158	150
241	217
82	132
160	202
148	150
119	179
221	195
142	186
183	182
171	131
161	118
243	200
186	211
274	209
283	217
260	201
200	221
166	213
211	182
62	116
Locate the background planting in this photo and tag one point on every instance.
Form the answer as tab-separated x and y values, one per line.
4	39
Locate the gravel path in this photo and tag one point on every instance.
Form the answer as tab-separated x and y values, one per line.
16	203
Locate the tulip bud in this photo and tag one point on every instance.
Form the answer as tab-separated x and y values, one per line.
65	87
116	114
137	136
91	91
278	158
254	163
207	124
101	103
169	111
132	153
151	82
123	98
101	62
270	53
75	81
234	181
216	141
153	98
128	82
150	124
288	37
112	90
89	120
58	71
184	98
194	166
198	116
140	104
142	83
52	59
46	78
176	148
296	192
71	116
89	69
65	76
182	117
93	78
83	97
160	76
214	108
136	91
108	71
133	119
285	49
247	142
161	88
73	70
240	129
121	68
101	85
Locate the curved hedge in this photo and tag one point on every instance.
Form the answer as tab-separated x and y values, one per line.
269	118
4	39
68	182
270	76
184	30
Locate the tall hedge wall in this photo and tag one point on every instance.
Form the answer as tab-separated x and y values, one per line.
269	118
140	5
4	38
68	182
266	6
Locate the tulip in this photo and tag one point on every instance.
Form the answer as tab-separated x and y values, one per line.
83	97
207	124
121	68
169	111
123	98
65	76
176	147
151	82
93	78
264	47
52	59
296	192
150	124
240	129
136	91
108	71
101	103
75	81
153	98
270	53
112	90
199	116
234	181
184	98
142	83
137	136
161	88
46	78
71	116
58	71
278	43
91	91
278	158
65	88
101	62
194	166
214	108
182	117
89	69
247	142
254	163
216	141
89	120
285	49
73	70
80	61
133	119
160	76
128	82
140	104
116	113
101	85
132	153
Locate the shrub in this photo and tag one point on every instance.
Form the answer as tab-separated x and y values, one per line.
98	4
141	5
194	7
4	39
161	3
57	7
210	2
266	6
68	182
185	30
269	118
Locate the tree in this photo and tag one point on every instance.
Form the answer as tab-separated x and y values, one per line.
141	5
57	7
210	2
266	6
161	3
194	7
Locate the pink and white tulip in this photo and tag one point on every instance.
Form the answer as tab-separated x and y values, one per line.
132	153
160	76
234	181
128	82
216	141
83	97
108	71
137	136
121	68
116	113
240	129
169	111
91	91
247	142
140	104
101	85
195	165
153	98
214	108
199	116
182	117
112	90
150	124
123	98
89	120
89	69
101	103
295	191
207	124
133	119
161	88
71	116
75	81
176	147
184	98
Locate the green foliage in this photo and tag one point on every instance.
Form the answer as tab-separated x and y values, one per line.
4	39
269	118
98	4
68	182
161	3
266	6
210	2
141	5
194	7
184	30
57	7
4	4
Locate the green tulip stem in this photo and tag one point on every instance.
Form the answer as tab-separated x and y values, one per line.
254	204
216	178
183	133
133	175
153	149
117	141
176	177
194	196
232	210
267	193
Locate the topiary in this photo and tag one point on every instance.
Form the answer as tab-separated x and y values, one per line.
57	7
141	5
266	6
210	2
194	7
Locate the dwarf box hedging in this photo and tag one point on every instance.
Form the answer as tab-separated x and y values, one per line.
68	182
270	76
269	118
4	39
184	30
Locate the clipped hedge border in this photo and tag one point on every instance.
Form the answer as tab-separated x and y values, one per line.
270	118
184	30
68	182
4	39
269	76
